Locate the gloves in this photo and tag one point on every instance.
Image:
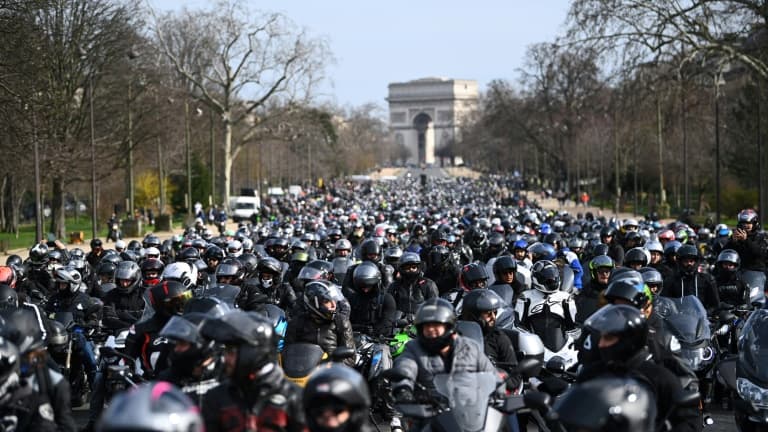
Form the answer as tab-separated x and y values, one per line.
403	395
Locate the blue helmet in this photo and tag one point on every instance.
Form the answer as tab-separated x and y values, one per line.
545	229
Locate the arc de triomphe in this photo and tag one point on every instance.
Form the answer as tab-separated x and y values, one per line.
425	116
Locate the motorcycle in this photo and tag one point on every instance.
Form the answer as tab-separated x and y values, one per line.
114	233
465	401
755	281
546	318
750	380
299	360
686	320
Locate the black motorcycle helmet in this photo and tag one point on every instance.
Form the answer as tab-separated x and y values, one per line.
22	328
726	257
688	259
14	261
440	311
607	231
545	276
653	279
156	406
636	258
38	255
272	267
256	343
438	256
213	255
150	240
438	237
503	264
317	294
409	266
230	272
366	279
151	270
169	297
337	387
9	298
188	255
128	276
476	302
186	328
624	322
370	251
600	261
614	405
250	261
473	276
629	289
392	255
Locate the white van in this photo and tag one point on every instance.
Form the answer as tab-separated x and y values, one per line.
243	207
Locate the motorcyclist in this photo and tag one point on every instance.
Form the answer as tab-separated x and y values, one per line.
748	241
372	309
608	236
545	282
687	280
39	282
212	256
591	297
86	313
438	349
267	287
336	398
370	251
621	333
473	276
410	287
318	322
97	251
255	395
43	394
124	305
442	269
143	343
505	274
481	306
730	286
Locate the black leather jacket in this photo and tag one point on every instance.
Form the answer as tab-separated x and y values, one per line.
122	310
409	295
373	315
85	310
329	335
252	294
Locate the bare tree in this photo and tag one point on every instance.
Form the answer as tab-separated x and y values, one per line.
242	56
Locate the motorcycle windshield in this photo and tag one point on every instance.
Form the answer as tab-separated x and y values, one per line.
468	394
226	293
689	323
755	281
753	347
300	359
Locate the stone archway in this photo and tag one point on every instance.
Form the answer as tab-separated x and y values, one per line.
422	123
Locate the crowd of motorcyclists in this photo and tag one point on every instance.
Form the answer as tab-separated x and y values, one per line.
355	304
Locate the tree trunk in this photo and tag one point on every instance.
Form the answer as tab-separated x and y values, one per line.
58	221
3	202
227	160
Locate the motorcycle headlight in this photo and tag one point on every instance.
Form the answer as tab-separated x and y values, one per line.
758	396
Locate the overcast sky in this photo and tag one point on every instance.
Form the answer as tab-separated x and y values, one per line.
379	42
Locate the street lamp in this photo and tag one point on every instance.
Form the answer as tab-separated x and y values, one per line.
718	80
132	55
94	198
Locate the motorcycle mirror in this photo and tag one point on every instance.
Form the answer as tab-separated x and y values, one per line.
342	353
512	404
528	367
687	399
537	400
555	364
394	374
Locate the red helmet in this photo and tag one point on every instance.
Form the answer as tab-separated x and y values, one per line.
667	235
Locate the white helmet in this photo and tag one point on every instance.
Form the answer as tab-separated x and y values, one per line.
181	272
234	248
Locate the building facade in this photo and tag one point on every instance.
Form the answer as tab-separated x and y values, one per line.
425	116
